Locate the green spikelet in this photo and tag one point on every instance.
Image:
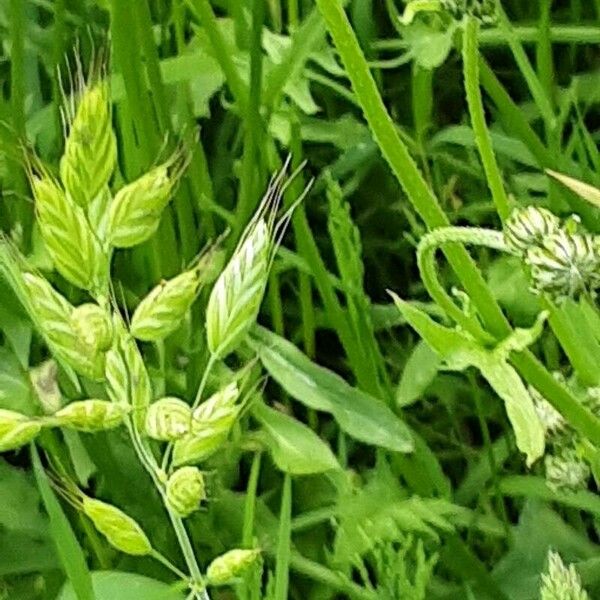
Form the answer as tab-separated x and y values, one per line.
561	582
91	415
90	149
168	419
121	531
218	412
52	314
93	326
16	430
127	379
185	490
74	249
135	212
229	566
193	449
528	227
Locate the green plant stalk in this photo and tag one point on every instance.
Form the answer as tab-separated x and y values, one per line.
250	501
284	541
404	168
480	130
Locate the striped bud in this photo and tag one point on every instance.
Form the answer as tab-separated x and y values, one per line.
528	227
90	149
564	265
16	430
566	471
197	447
237	295
218	412
127	379
135	211
93	326
185	490
52	315
229	566
164	308
91	415
74	249
120	530
168	419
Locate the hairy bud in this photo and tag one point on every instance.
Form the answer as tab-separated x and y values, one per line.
226	568
93	326
168	419
560	582
16	430
90	149
91	415
120	530
566	470
528	227
74	249
185	490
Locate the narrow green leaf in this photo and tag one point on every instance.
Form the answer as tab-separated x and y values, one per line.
360	415
420	370
295	448
69	550
282	566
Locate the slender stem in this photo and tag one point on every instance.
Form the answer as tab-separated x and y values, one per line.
161	558
209	366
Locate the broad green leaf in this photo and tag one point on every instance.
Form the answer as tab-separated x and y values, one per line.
360	415
119	585
428	47
69	550
26	552
420	370
15	389
295	448
460	351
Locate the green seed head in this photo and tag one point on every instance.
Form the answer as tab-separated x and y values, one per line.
528	227
74	249
229	566
219	412
185	490
119	529
565	265
560	582
566	471
91	415
52	315
16	430
197	447
93	326
237	295
90	149
168	419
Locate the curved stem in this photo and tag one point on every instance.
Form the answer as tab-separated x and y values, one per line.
426	250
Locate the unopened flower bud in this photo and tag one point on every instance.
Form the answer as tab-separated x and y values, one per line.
229	566
528	227
90	149
566	471
16	429
168	419
560	582
91	415
93	326
218	412
120	530
197	447
185	490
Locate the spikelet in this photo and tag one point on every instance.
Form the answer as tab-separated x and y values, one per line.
565	265
74	249
91	415
127	379
52	314
120	530
218	412
566	470
93	326
197	447
16	430
168	419
528	227
164	308
553	422
135	212
229	566
185	490
560	582
90	149
237	295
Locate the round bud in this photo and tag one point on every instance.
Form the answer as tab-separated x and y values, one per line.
92	415
185	490
528	227
168	419
93	326
226	568
16	430
120	530
564	265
